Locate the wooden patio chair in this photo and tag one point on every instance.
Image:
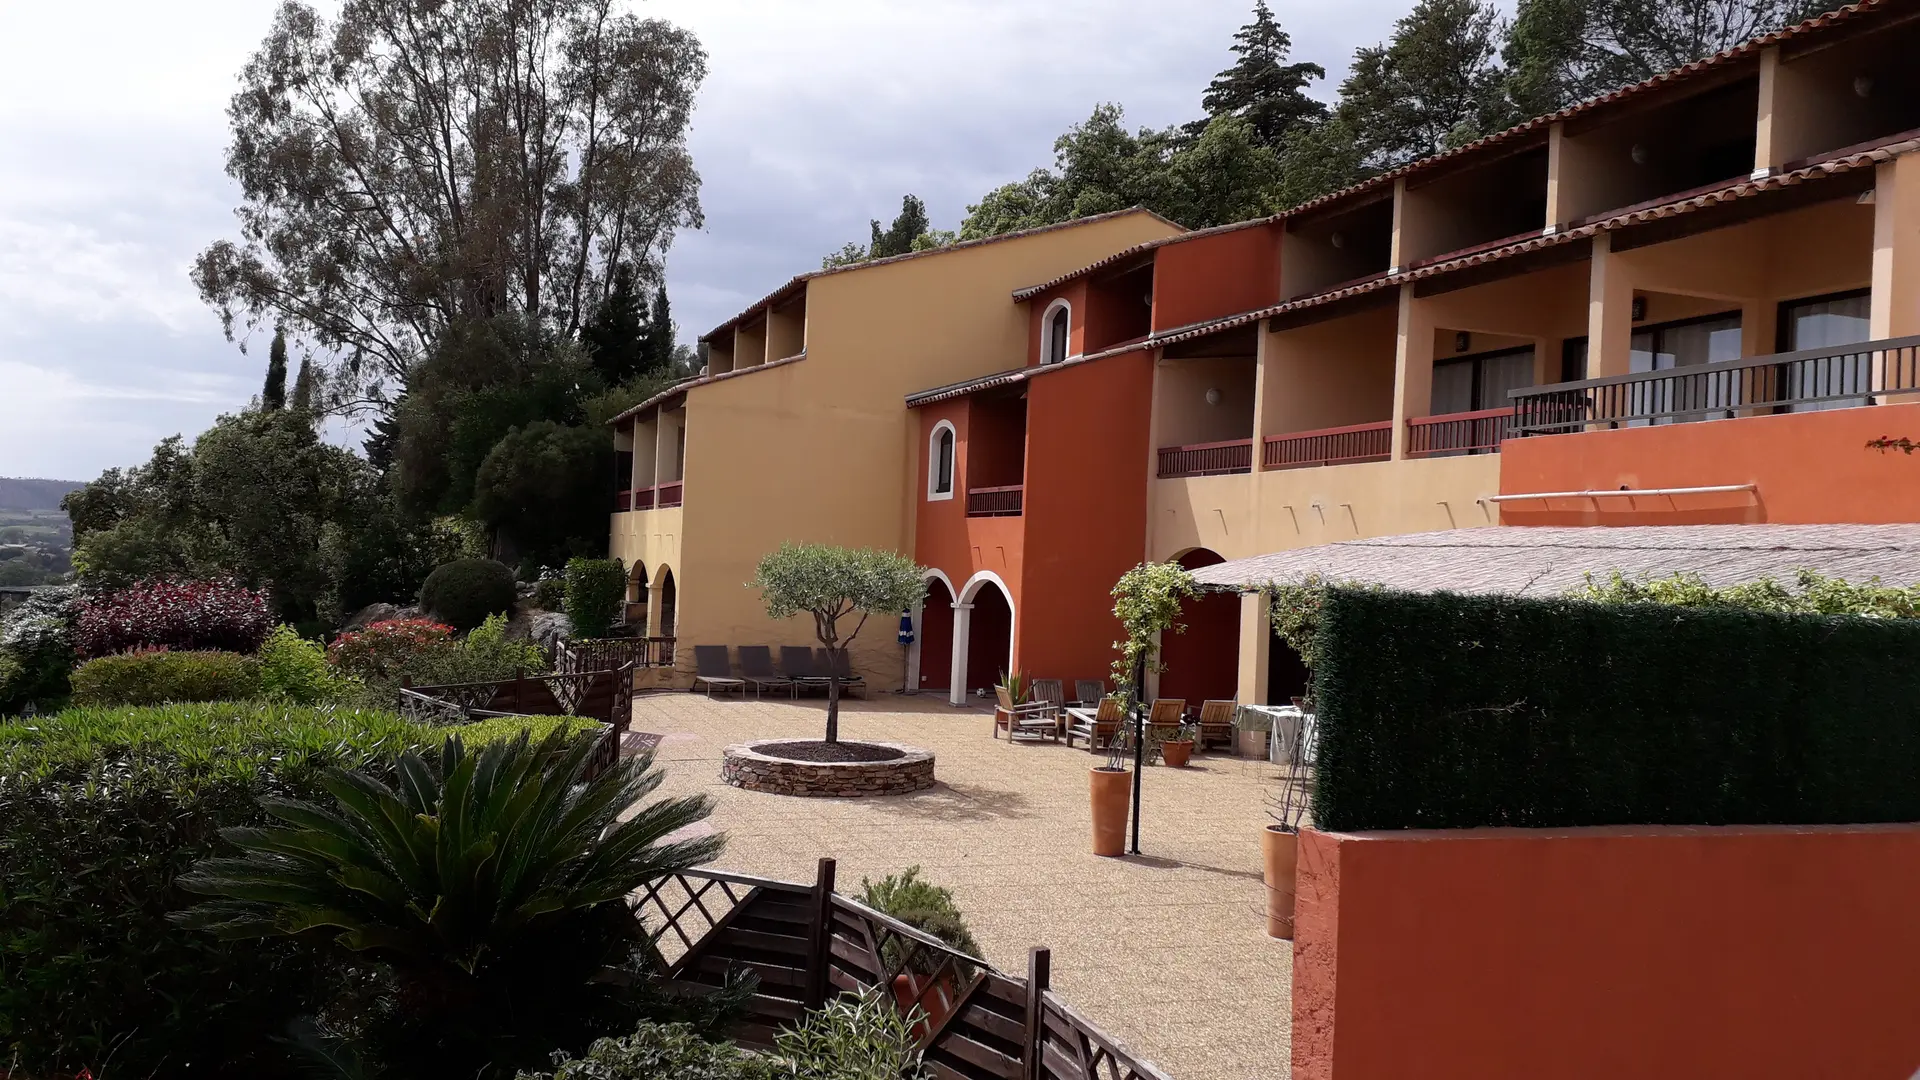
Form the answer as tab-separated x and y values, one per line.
756	665
1215	723
796	663
1052	692
713	669
840	669
1029	720
1088	693
1102	729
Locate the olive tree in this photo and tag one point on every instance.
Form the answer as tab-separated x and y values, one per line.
834	583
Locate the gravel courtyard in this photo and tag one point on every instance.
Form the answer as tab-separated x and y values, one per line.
1166	950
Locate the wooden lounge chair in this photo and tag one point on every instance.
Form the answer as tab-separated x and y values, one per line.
1033	719
796	663
1102	729
1052	692
840	669
711	667
756	664
1215	723
1089	693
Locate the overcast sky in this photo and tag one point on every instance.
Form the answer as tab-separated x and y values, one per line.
817	116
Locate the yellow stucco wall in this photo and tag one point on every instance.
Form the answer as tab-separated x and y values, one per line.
822	449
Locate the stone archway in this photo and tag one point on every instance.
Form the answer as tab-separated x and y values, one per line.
637	593
662	618
933	635
982	635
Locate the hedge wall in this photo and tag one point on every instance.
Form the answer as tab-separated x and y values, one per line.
1445	711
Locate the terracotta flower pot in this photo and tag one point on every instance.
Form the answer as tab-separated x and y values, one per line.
1109	802
1177	754
908	990
1279	850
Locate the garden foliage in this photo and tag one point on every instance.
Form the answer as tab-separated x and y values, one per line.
36	650
295	669
1147	601
161	677
660	1052
172	615
464	592
1448	711
386	651
854	1037
924	906
1811	593
595	590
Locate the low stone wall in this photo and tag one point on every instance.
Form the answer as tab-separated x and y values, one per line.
744	766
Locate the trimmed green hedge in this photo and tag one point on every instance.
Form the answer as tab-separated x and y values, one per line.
595	590
1446	711
157	678
464	592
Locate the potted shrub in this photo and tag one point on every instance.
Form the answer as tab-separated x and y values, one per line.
1176	748
1147	601
930	908
1108	786
1280	841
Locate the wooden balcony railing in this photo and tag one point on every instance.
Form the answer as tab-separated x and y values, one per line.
995	501
1207	459
1838	375
668	494
622	501
1329	446
1458	433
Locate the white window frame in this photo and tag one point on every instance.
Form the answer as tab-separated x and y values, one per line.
1046	333
933	463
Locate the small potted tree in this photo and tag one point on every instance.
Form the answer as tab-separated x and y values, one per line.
1176	747
1146	600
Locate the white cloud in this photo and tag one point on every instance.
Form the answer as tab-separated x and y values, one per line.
816	116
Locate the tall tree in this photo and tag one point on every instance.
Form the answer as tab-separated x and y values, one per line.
1435	84
911	230
657	347
1098	166
1261	88
1563	51
616	336
273	396
411	163
303	387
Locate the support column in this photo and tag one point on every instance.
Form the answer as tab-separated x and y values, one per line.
962	630
1609	312
1255	630
1412	367
1895	307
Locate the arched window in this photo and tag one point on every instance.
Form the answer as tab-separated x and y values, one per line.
940	462
1058	321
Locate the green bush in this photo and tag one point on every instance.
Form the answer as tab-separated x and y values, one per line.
860	1037
595	590
550	592
100	810
464	592
159	678
36	650
922	905
660	1052
1449	711
485	655
537	728
296	670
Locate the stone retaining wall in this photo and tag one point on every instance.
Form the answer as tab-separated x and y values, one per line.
744	766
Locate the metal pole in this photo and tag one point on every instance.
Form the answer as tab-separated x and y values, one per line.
1139	741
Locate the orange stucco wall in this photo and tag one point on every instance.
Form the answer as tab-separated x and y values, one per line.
1205	278
1592	954
1809	468
1085	511
1075	294
949	541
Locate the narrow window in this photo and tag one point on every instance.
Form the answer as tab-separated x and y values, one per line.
1056	346
943	476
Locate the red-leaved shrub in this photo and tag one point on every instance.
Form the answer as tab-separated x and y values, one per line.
383	650
182	615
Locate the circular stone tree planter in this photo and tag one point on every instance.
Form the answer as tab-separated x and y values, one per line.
827	770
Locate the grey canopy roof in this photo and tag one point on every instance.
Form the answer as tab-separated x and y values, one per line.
1543	561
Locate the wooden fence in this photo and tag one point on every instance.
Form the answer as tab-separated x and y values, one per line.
605	695
806	943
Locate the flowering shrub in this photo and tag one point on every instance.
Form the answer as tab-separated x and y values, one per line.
386	650
184	615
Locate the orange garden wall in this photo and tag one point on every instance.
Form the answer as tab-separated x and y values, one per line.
1211	276
1810	468
1086	510
1594	954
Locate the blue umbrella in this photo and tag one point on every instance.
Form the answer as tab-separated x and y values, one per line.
906	628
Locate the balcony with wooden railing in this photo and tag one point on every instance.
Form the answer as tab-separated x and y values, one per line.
1838	376
1207	459
659	496
995	501
1477	432
668	495
1328	446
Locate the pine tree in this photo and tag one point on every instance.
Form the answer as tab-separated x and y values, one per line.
616	335
656	351
1433	86
899	236
303	396
273	397
1261	88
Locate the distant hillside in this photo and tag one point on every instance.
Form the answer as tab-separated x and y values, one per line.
22	494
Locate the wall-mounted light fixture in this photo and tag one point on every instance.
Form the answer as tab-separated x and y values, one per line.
1639	309
1338	240
1213	395
1863	86
1462	341
1638	154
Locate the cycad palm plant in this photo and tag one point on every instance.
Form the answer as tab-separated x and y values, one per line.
491	888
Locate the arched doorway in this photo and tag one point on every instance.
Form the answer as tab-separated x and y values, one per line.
1203	664
664	591
934	628
637	596
989	635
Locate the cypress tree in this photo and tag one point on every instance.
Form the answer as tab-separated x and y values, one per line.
656	356
273	397
303	387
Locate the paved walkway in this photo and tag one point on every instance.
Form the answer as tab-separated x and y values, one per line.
1167	950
